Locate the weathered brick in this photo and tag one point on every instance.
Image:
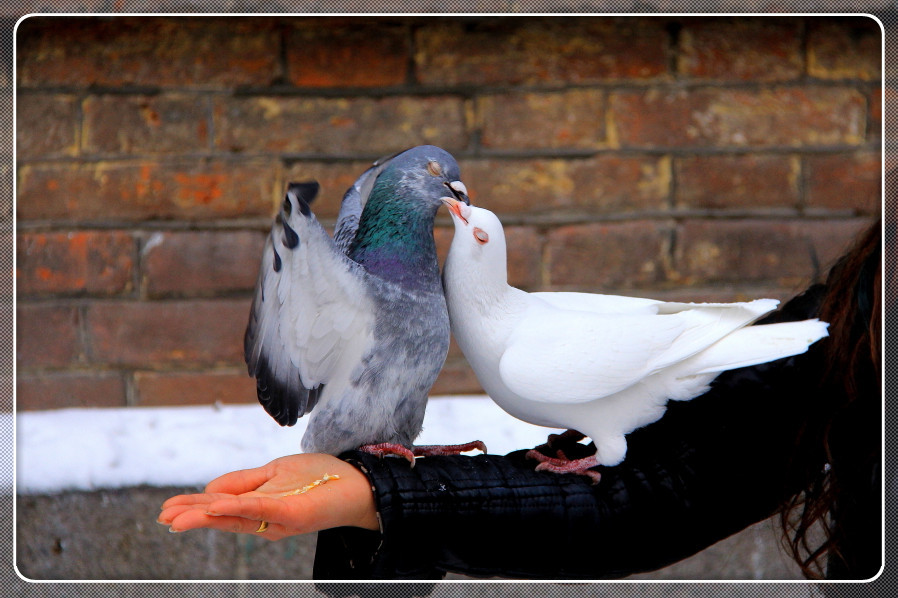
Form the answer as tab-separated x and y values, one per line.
727	49
334	177
74	263
792	117
571	119
604	184
47	126
194	388
146	190
742	181
546	50
62	390
167	333
845	48
145	124
785	253
200	262
323	52
338	126
845	182
832	238
148	51
47	335
605	256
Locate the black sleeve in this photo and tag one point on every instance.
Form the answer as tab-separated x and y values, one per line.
709	468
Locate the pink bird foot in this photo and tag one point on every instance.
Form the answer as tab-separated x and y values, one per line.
434	450
561	464
388	448
427	450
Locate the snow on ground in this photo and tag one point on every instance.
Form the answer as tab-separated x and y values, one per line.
88	449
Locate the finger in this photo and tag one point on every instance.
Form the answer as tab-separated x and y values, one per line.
194	499
167	515
239	482
197	519
256	508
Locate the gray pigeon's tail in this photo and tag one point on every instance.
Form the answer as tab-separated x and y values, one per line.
304	193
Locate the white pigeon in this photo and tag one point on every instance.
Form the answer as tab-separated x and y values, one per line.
601	365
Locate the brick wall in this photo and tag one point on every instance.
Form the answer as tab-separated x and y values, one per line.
699	158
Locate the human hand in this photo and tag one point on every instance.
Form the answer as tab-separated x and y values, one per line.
241	500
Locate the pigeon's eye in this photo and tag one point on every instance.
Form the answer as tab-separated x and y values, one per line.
434	168
481	236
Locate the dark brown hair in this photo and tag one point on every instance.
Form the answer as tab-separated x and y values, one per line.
847	404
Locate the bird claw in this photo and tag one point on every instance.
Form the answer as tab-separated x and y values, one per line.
428	450
388	448
433	450
561	464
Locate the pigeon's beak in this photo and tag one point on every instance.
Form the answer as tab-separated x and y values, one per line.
459	191
456	207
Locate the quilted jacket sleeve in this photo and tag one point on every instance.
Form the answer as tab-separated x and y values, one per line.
709	468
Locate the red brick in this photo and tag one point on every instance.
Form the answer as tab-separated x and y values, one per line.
47	126
145	124
783	253
62	390
557	120
845	48
167	333
334	177
146	190
47	335
543	50
597	257
201	262
74	263
845	182
743	181
148	51
792	117
604	184
194	388
338	126
727	49
833	238
324	52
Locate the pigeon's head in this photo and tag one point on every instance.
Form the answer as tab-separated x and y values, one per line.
479	237
420	177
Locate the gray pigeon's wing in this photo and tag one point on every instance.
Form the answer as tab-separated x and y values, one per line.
354	202
310	314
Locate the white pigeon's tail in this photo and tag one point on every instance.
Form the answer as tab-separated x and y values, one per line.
753	345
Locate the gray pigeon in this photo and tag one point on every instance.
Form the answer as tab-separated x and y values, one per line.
354	330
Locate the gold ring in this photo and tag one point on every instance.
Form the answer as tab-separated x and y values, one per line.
262	527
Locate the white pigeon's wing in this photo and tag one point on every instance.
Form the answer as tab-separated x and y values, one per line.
570	356
601	304
310	311
616	304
